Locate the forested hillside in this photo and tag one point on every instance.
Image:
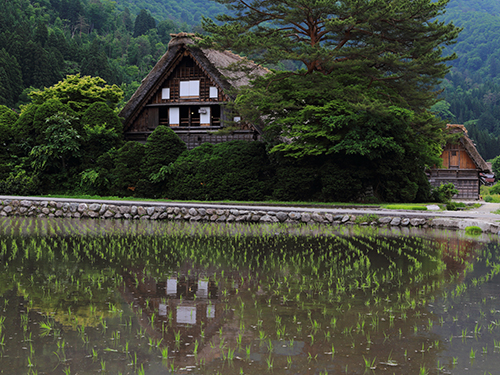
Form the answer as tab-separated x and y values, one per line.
472	90
42	41
184	12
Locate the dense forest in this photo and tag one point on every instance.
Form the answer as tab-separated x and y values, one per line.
472	90
42	41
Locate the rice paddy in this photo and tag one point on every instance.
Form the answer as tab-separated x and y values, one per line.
120	297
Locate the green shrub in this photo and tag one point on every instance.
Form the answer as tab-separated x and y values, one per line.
339	184
163	147
495	189
488	198
102	130
444	192
236	170
367	218
454	206
99	114
127	169
473	230
20	183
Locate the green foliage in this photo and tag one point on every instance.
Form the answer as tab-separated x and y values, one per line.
163	147
473	230
495	166
367	218
444	193
128	168
79	93
235	170
7	120
11	84
61	143
377	145
99	113
397	49
454	206
143	23
495	189
20	182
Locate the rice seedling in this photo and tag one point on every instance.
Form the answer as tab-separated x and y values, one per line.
472	353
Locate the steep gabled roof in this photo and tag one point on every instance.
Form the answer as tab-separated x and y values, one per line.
217	64
469	147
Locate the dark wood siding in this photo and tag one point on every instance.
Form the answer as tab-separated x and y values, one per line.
466	181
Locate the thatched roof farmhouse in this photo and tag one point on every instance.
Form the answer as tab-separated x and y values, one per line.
187	90
462	165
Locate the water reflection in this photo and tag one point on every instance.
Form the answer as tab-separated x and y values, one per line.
231	298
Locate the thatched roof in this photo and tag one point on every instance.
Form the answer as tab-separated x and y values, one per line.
218	64
469	147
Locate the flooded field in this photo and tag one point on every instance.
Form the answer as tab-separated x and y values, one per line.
119	297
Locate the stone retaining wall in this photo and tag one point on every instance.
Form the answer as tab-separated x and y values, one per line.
123	210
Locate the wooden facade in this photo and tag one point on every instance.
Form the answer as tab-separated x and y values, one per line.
462	166
187	90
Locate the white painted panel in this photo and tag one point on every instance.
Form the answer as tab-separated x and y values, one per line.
173	116
237	119
205	116
202	291
214	94
184	88
194	88
171	287
162	309
165	93
186	314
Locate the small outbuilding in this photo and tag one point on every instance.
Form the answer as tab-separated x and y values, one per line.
463	166
188	90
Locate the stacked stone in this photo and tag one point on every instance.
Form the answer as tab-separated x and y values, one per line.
124	210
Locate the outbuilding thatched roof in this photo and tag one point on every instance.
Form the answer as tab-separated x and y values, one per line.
218	64
469	147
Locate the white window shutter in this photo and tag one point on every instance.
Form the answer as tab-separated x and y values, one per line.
194	88
214	94
165	93
184	89
205	116
173	116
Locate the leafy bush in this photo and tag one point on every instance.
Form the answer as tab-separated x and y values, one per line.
20	183
367	218
444	192
454	206
162	148
100	113
339	184
102	130
473	230
495	189
128	169
236	170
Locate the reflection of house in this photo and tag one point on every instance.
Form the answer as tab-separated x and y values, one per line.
462	166
189	306
186	90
